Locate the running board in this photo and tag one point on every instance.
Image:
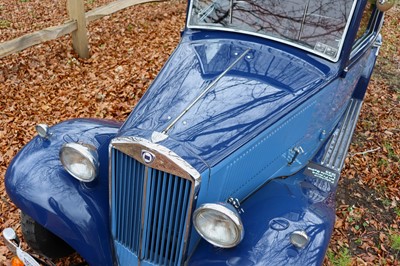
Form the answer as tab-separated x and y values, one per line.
340	140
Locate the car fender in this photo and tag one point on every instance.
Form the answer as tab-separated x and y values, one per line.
270	216
76	212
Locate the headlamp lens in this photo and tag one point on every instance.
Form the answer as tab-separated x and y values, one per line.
219	224
80	160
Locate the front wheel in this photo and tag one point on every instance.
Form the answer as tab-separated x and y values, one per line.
42	240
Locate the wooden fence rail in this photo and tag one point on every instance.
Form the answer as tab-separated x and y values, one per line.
74	26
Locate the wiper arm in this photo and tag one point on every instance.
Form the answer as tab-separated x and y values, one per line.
230	11
303	20
203	14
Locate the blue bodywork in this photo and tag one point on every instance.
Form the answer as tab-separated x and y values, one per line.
38	184
281	206
240	137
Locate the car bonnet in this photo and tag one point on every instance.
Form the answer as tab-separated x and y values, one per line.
212	96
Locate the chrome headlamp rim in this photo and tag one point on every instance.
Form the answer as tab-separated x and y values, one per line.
227	210
88	152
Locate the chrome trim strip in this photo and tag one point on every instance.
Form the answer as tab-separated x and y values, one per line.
205	27
378	43
166	160
270	38
371	36
110	187
350	18
144	202
188	219
212	84
338	145
113	253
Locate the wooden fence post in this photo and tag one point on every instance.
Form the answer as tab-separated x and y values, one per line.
76	25
76	11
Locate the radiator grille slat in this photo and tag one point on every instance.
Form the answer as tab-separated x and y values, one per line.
172	214
182	224
177	216
128	198
160	215
165	223
150	210
149	216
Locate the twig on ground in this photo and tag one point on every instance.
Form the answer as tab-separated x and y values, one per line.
365	152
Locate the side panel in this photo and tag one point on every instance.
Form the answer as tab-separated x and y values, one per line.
269	155
78	213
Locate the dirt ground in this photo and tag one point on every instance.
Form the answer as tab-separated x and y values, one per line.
48	83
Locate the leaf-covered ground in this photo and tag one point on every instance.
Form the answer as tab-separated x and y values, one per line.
368	200
48	84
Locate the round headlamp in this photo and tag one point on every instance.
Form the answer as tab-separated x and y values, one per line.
219	224
80	160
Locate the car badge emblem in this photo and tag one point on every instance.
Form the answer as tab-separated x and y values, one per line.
148	157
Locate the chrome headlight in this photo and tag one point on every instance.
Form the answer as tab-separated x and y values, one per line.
219	224
80	160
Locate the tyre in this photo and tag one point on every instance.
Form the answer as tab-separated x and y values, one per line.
42	240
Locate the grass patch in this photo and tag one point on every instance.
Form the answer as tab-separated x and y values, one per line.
343	258
395	242
129	27
386	203
4	24
388	64
391	154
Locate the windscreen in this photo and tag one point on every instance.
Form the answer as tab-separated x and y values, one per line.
315	25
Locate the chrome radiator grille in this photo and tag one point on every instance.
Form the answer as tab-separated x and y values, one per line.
150	210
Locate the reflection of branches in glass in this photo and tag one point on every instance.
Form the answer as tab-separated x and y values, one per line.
305	22
326	21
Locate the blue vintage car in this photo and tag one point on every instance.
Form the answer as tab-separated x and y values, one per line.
233	155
